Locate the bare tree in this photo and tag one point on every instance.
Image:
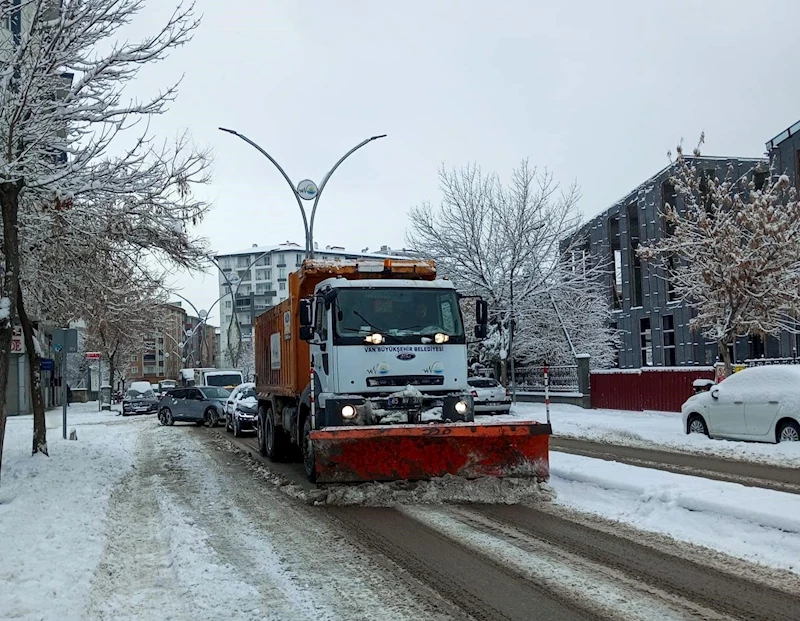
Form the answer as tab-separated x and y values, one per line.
63	108
733	251
502	242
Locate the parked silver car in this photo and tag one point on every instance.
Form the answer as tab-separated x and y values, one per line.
201	405
489	396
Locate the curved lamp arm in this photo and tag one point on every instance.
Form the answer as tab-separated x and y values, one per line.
310	229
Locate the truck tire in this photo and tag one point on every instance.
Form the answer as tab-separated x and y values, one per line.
307	447
261	436
276	439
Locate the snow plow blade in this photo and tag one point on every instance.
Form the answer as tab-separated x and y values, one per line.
420	452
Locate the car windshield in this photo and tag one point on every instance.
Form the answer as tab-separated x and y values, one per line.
215	393
224	379
482	383
397	313
139	394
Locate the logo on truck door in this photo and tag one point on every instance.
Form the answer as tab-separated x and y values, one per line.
275	350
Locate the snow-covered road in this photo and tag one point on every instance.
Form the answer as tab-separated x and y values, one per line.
136	522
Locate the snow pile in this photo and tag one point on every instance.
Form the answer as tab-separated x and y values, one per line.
654	430
750	523
52	510
443	490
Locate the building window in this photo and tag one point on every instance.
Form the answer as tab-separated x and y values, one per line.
633	259
228	304
298	259
263	274
756	347
646	339
669	197
281	286
282	273
242	262
263	261
134	371
134	357
243	303
616	258
760	179
668	333
613	328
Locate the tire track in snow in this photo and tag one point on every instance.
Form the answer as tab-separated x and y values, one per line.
727	592
597	587
135	578
343	581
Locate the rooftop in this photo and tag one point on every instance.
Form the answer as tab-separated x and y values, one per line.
786	133
385	252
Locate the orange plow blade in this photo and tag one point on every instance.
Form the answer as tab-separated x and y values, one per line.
418	452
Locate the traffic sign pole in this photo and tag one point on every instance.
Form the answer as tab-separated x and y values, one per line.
64	394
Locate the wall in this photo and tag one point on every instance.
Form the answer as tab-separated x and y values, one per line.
662	390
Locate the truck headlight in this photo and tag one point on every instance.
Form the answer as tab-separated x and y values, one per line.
460	407
440	338
375	339
348	411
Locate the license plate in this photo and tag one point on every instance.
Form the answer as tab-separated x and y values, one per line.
395	402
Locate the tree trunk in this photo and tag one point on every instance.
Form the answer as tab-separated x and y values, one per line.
9	204
725	354
35	378
111	371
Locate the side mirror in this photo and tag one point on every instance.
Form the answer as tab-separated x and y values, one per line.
715	393
306	333
480	331
306	319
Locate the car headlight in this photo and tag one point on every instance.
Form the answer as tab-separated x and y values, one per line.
348	411
460	407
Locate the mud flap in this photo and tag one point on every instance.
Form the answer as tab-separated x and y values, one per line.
419	452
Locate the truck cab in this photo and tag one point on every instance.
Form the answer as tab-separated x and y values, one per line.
387	351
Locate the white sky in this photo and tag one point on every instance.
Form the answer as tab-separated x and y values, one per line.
596	91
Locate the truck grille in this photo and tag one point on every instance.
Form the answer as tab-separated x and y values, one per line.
405	380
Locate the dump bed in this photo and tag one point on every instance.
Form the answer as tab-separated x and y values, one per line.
282	359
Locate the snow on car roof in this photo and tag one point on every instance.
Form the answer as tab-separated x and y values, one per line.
775	382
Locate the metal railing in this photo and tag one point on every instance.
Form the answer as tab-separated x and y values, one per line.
761	362
562	378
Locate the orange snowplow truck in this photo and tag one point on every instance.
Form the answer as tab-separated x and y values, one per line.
362	373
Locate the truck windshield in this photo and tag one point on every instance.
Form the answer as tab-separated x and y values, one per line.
227	379
406	315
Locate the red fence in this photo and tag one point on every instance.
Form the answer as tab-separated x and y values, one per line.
661	389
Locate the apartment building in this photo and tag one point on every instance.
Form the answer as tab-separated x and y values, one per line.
259	276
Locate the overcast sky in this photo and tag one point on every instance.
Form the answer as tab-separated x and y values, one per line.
596	91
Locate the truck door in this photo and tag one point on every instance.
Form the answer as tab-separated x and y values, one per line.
320	346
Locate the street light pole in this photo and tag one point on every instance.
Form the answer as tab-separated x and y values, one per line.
308	228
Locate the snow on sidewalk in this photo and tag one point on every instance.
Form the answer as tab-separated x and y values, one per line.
654	430
750	523
52	510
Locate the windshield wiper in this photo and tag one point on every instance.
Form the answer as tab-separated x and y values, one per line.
376	328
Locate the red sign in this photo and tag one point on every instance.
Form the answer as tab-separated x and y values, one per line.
93	355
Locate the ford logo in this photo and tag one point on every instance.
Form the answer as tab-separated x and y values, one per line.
406	356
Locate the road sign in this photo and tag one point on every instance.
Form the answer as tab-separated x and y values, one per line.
47	364
66	340
307	189
93	355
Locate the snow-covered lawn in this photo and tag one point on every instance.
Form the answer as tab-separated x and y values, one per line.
750	523
52	510
660	430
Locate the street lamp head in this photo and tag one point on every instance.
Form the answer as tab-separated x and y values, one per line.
229	131
376	137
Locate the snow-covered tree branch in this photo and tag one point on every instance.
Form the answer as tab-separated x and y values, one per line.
733	251
73	197
509	245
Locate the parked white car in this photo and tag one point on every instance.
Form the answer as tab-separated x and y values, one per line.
488	395
241	409
760	404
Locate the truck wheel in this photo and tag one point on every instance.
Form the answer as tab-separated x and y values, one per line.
309	462
277	440
261	436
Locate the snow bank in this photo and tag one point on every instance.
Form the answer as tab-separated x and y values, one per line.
52	511
658	430
750	523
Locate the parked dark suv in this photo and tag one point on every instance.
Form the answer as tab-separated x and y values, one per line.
139	399
196	404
